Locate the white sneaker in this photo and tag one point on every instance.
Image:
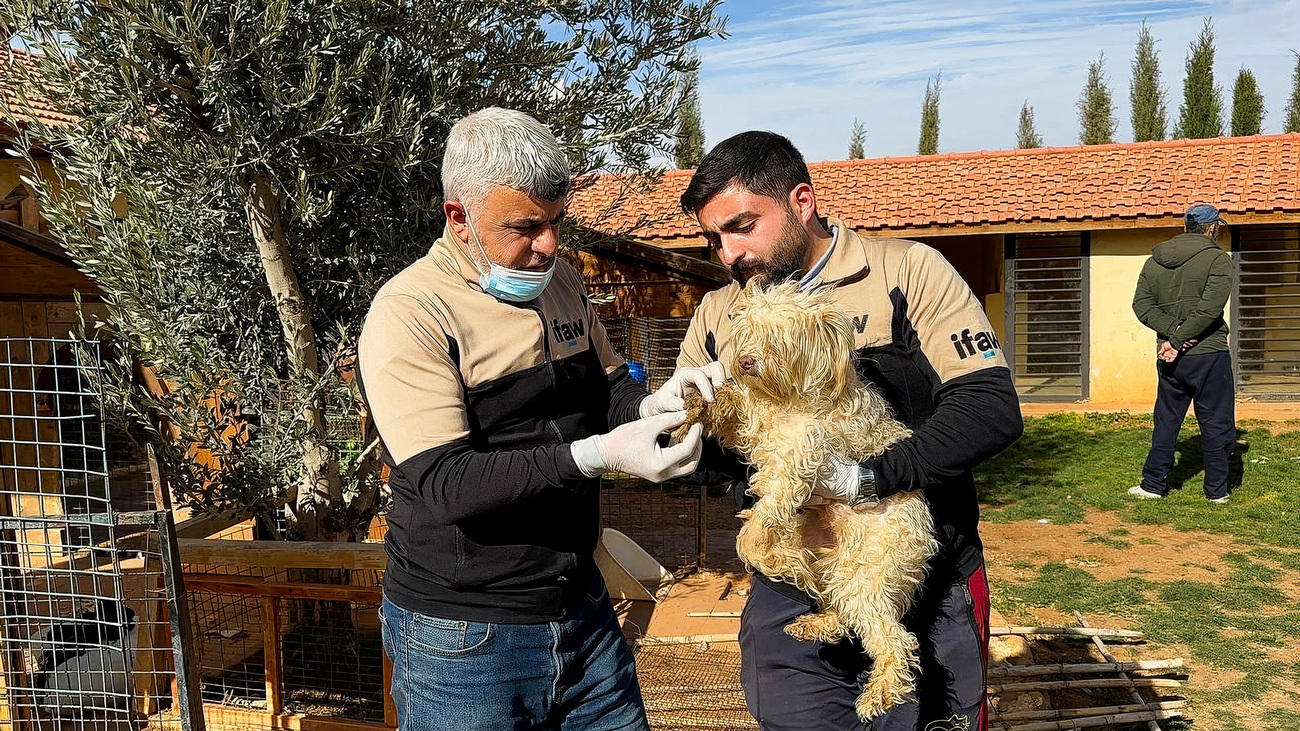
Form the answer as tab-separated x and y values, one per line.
1137	491
1219	500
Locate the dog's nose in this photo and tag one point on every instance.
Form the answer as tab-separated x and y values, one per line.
748	364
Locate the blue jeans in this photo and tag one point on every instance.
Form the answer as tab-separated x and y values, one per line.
571	675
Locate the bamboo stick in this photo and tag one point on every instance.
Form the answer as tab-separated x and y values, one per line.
1057	715
1106	654
688	639
1095	721
674	689
1090	683
1008	671
714	615
1066	631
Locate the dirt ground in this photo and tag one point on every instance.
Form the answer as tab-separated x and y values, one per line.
1014	551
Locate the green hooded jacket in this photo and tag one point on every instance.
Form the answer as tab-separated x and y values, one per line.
1182	291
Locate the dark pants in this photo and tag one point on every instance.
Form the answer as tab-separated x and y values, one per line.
1206	382
811	686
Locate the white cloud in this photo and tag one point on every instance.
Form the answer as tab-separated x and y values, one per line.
807	71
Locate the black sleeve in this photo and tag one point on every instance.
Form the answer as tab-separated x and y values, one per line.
625	397
977	415
458	483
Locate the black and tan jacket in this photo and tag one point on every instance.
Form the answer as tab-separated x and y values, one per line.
476	401
923	339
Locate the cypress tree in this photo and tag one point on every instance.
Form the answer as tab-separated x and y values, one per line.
1247	105
1148	98
929	142
1096	109
858	141
1293	107
1201	114
689	149
1027	135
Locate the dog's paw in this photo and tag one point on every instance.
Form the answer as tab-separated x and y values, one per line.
889	684
871	704
819	627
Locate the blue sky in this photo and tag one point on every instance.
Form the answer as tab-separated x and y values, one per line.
807	69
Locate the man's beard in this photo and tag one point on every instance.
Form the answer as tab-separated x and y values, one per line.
783	261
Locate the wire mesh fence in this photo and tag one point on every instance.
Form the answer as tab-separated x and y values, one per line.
84	553
664	519
692	686
317	657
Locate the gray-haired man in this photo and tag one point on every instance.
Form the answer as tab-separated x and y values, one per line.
495	389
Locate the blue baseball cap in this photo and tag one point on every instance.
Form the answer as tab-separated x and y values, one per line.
1203	213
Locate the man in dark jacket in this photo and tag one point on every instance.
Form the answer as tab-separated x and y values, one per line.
1181	294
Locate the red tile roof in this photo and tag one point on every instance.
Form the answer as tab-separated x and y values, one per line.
1240	175
34	106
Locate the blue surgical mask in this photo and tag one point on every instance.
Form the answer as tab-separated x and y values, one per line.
504	283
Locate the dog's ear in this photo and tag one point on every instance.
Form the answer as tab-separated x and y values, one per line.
833	336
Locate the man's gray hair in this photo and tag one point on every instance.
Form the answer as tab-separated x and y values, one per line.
496	146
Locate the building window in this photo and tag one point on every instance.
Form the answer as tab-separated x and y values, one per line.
1047	315
1266	312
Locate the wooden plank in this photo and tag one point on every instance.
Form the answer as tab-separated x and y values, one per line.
1064	713
248	586
1066	632
29	213
284	554
1097	721
218	716
31	240
11	319
206	525
1089	683
1009	671
688	639
271	654
65	313
390	707
153	658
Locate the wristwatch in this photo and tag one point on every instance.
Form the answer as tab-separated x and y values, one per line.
867	493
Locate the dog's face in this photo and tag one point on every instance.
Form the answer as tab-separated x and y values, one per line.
792	346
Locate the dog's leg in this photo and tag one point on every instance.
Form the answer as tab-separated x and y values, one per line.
722	418
881	561
771	540
825	625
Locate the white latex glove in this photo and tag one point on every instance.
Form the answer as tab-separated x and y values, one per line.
838	479
672	395
634	449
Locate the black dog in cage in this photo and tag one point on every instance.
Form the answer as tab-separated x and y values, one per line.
87	662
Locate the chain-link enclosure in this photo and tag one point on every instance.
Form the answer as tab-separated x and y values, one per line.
87	555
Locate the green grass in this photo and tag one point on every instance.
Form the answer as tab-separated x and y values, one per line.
1069	464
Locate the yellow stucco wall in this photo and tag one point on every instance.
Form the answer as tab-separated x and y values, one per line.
1123	351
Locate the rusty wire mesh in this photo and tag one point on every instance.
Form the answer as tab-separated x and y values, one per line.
692	686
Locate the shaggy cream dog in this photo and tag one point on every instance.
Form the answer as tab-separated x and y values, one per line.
795	403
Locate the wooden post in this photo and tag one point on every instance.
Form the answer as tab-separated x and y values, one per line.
702	527
390	707
271	653
153	662
19	708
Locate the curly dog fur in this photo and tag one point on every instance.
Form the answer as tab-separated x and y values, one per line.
795	401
